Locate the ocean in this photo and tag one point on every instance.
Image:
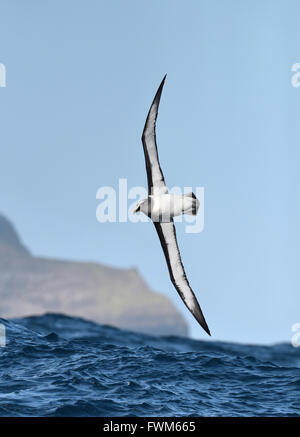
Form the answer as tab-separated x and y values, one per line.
54	365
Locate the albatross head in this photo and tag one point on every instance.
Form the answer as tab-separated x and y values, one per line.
140	207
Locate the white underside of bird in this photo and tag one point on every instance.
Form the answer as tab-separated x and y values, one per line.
163	207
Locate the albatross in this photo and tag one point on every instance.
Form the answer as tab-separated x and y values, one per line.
161	207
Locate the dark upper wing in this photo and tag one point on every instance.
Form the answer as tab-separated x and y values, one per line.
156	182
167	236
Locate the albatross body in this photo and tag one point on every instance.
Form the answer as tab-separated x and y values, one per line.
161	207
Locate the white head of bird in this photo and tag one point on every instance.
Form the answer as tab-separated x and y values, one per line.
142	206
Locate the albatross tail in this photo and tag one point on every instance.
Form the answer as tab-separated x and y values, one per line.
191	204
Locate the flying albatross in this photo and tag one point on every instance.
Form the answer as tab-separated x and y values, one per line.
161	207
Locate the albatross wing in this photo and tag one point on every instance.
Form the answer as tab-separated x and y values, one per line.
156	181
167	236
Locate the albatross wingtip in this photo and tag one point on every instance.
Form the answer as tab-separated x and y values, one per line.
200	319
205	327
162	82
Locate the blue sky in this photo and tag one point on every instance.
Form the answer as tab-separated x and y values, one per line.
80	78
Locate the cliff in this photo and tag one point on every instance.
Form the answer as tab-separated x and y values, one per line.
120	297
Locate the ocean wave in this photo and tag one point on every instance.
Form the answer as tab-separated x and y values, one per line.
54	365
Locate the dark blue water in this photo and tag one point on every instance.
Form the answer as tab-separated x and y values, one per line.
61	366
